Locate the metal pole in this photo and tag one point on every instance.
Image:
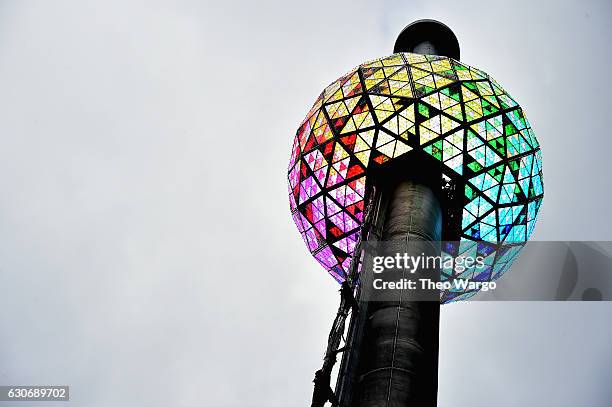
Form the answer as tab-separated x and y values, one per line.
398	356
393	355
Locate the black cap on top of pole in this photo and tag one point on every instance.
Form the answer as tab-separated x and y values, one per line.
429	37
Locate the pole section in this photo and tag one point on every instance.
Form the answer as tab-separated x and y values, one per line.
392	359
398	356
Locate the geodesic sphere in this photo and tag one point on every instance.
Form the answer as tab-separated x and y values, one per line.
409	106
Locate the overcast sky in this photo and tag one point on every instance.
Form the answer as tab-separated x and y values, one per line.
147	253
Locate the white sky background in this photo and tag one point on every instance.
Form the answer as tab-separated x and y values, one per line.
147	254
